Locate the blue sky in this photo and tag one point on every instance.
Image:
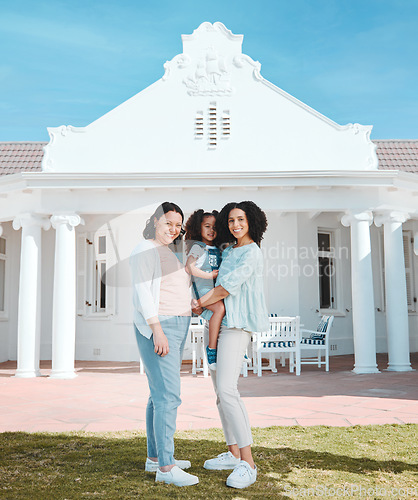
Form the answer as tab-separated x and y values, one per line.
70	62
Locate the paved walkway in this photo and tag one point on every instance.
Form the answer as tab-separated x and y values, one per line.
112	396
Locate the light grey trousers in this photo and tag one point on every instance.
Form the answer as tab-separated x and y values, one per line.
232	343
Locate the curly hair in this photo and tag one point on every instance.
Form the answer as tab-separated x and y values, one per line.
194	223
165	207
257	222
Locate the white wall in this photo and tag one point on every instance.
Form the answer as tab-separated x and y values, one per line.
413	317
281	284
8	321
48	256
377	265
111	337
341	333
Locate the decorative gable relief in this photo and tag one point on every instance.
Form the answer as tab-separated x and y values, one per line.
209	54
211	76
56	134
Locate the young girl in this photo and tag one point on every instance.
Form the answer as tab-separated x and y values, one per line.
203	262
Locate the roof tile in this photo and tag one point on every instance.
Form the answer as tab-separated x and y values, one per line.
20	157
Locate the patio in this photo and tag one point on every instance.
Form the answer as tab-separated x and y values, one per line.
110	396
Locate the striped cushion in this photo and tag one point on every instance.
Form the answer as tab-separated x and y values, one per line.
281	343
312	341
317	336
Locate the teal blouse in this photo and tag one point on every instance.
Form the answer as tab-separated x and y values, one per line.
241	274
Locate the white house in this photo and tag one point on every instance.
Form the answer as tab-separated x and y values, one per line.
342	218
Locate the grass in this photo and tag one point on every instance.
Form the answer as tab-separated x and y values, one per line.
290	460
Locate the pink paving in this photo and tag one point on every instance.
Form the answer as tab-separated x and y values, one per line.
112	396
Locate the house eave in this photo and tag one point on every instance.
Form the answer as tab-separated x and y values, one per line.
48	180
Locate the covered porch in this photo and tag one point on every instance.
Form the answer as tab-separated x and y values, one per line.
352	206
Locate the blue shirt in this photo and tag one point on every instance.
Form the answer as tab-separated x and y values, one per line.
241	274
207	258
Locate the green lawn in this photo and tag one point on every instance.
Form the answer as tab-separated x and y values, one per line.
369	461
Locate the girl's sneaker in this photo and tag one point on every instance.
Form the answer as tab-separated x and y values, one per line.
211	354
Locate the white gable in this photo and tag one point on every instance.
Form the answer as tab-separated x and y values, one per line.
212	111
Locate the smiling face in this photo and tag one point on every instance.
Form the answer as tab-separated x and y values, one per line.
207	229
238	225
168	227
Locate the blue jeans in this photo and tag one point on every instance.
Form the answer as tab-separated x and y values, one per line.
163	375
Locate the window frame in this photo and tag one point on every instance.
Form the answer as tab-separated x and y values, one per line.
3	257
100	260
89	283
335	281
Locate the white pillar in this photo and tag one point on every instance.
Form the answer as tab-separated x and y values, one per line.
29	304
364	328
395	291
64	303
1	229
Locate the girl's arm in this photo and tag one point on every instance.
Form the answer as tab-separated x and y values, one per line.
195	271
215	295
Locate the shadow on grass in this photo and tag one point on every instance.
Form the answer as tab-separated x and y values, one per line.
111	466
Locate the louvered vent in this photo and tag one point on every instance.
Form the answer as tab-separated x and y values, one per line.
226	124
212	125
213	136
198	125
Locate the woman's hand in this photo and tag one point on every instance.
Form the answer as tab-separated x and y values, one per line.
161	344
196	307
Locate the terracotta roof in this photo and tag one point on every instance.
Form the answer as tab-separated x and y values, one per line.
20	157
398	155
393	154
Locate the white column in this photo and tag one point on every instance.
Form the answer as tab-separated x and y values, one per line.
395	291
64	300
1	229
29	304
364	328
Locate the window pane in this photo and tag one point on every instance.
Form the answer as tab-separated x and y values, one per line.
102	286
102	244
325	273
2	283
3	246
324	242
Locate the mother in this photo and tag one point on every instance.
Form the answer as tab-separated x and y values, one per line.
161	320
240	285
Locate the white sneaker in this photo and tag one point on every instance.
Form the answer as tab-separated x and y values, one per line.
222	462
151	466
242	476
177	477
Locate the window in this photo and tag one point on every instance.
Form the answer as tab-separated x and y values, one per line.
99	289
2	273
408	252
94	295
326	270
